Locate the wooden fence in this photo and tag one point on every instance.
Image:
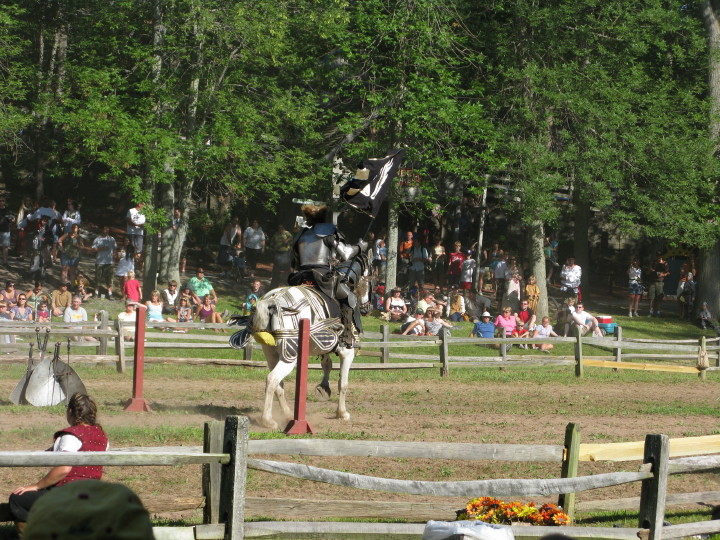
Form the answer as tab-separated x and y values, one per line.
390	349
114	339
225	456
621	348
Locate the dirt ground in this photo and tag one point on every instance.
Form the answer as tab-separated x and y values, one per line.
527	410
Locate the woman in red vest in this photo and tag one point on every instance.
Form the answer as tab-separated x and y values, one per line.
83	434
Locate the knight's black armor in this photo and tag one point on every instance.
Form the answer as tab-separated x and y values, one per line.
314	249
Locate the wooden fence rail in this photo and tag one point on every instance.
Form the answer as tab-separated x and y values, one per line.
391	348
225	472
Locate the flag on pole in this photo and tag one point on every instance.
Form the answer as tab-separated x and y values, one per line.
367	190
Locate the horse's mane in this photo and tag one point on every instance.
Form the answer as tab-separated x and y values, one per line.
261	316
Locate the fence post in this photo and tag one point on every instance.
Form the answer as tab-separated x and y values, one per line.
120	345
571	457
703	352
299	425
137	402
444	355
385	358
103	347
578	353
503	347
248	349
234	473
618	349
212	444
653	491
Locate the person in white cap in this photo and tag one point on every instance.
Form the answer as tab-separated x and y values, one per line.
484	328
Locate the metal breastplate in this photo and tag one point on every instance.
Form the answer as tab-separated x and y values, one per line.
312	249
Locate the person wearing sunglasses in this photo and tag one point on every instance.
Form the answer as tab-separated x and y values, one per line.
585	322
506	321
9	295
22	312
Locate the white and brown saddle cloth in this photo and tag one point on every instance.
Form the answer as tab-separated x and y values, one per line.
290	304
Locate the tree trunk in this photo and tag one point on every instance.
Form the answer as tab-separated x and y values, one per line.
708	284
151	263
50	81
392	248
581	241
173	240
481	233
537	264
711	18
709	287
150	266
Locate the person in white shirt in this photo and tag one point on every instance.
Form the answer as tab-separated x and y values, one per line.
254	241
76	313
585	321
171	298
129	316
499	272
467	271
418	259
71	216
570	278
135	227
46	209
544	330
427	302
414	326
104	247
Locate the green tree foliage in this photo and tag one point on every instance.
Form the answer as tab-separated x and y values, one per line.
607	98
14	77
166	97
401	75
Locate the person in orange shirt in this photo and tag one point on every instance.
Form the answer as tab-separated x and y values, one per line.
405	254
406	247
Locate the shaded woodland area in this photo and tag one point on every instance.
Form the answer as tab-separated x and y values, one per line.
211	106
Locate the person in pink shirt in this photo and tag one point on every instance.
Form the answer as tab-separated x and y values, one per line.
507	321
131	288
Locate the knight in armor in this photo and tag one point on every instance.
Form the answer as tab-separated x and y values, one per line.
315	248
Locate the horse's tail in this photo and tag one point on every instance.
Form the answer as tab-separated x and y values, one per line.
261	316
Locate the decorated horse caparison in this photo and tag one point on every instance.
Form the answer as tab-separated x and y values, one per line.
274	324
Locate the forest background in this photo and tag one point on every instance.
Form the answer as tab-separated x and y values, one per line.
169	102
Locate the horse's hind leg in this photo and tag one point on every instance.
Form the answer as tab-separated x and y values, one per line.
322	390
346	359
273	386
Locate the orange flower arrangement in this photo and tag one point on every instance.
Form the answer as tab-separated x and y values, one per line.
491	510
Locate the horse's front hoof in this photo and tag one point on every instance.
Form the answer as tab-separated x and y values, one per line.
343	416
322	392
268	423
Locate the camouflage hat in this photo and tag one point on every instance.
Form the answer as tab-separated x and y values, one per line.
89	510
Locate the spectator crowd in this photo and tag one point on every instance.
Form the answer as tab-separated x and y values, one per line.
467	281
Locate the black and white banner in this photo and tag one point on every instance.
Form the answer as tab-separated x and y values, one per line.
368	189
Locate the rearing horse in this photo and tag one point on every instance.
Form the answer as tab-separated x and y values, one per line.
274	324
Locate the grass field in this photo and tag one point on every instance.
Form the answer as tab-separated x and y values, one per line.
520	404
